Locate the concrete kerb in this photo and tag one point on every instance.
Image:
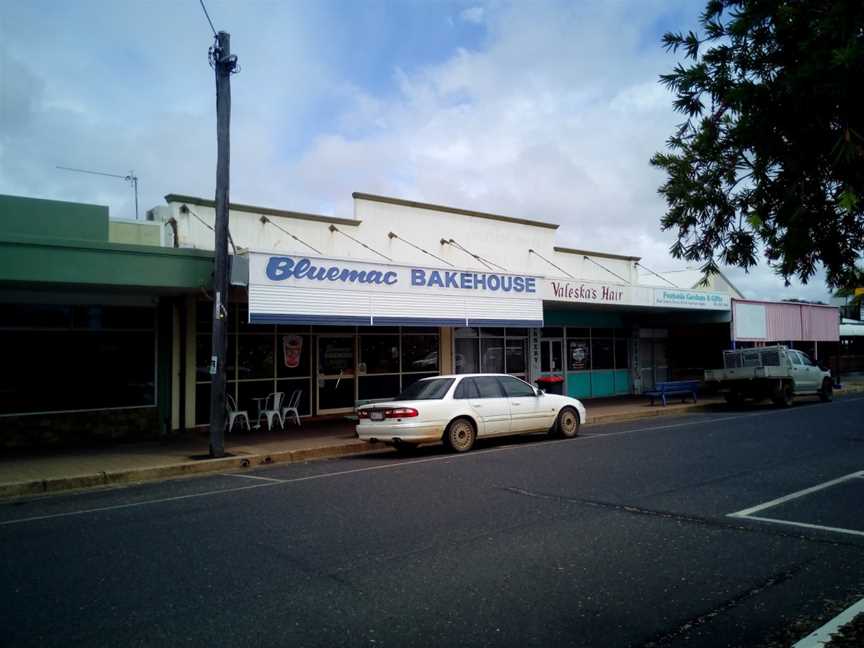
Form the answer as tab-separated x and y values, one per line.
253	460
135	475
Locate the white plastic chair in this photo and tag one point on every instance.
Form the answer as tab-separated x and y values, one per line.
273	409
234	414
291	407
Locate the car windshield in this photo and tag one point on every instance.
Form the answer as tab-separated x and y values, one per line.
432	389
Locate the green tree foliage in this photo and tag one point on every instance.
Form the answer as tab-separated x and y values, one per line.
771	155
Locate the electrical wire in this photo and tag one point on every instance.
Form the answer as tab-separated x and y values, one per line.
587	258
485	262
333	228
636	263
265	220
393	235
550	263
207	15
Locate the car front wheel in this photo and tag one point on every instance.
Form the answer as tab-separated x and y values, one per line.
826	394
460	435
567	423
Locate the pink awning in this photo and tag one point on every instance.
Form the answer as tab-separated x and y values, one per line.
784	322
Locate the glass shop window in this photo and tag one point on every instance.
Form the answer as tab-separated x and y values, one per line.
578	354
420	353
379	354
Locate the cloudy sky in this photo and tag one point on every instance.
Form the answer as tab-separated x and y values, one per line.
538	109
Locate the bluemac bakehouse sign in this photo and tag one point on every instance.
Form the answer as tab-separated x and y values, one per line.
306	289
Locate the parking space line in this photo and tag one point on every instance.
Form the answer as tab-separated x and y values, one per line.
269	479
822	636
786	498
391	466
804	525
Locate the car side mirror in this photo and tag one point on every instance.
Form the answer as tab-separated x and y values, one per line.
539	391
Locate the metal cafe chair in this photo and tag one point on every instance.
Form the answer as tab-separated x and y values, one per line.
291	407
273	410
234	414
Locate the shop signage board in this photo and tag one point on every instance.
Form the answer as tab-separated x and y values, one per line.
674	298
305	289
590	292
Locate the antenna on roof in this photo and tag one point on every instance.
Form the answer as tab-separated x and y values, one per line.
130	177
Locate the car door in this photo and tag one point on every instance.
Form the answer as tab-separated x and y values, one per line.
811	372
490	404
526	408
798	371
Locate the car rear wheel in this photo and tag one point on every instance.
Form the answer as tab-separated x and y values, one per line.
567	423
826	394
460	435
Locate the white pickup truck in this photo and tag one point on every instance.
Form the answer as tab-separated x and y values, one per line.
774	372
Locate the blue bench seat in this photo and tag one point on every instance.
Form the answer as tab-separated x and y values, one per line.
673	388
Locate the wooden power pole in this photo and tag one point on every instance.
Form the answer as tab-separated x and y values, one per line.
224	64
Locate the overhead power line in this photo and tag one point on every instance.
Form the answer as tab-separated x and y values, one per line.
393	235
535	252
333	228
207	15
266	220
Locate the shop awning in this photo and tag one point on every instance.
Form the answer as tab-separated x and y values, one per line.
291	289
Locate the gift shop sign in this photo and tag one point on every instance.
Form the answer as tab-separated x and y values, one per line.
672	298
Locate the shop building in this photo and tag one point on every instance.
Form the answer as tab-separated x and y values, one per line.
353	309
90	324
105	325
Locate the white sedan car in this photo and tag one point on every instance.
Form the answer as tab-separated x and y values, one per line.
457	409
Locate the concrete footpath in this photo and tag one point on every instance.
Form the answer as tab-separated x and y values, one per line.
59	470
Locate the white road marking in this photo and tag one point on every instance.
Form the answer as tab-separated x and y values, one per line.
786	498
805	525
822	636
132	504
393	466
270	479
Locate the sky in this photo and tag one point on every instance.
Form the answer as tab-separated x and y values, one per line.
539	109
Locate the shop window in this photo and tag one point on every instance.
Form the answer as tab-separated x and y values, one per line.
582	333
578	354
336	355
465	332
371	387
602	356
410	379
336	393
466	351
622	354
491	332
515	355
203	353
58	369
420	352
380	354
552	332
254	356
32	316
304	385
248	391
294	355
492	355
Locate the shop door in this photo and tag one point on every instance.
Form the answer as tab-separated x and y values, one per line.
551	357
336	374
653	366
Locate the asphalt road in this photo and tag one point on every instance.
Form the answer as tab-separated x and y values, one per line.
621	537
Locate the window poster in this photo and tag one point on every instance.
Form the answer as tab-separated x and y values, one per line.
292	350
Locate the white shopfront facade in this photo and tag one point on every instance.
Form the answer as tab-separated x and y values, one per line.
352	309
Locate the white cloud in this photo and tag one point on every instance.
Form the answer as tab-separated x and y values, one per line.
554	118
473	14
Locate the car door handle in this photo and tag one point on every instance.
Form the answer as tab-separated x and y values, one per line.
512	403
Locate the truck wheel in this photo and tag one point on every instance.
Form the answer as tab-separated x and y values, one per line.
826	394
783	398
